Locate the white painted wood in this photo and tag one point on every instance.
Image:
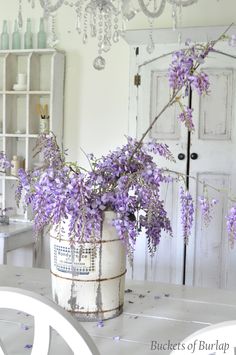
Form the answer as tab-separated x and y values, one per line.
3	256
167	35
89	279
163	312
219	338
45	84
145	104
42	334
18	235
209	260
46	314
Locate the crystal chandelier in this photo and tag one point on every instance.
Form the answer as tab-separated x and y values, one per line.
106	20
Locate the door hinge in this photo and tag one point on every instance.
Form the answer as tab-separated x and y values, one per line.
137	80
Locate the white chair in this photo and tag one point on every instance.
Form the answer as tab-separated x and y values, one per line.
216	339
47	315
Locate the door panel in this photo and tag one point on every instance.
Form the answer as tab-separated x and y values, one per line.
209	255
167	126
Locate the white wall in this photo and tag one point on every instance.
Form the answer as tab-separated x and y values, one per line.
96	103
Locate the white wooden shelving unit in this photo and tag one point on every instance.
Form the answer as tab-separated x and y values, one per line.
19	120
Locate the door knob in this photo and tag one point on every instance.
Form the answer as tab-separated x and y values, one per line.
194	156
181	156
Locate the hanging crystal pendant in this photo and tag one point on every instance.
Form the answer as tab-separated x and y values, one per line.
85	28
85	38
99	63
93	31
179	38
20	20
78	24
52	37
93	24
150	46
106	44
116	37
123	28
174	16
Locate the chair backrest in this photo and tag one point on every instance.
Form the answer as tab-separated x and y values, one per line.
47	315
215	339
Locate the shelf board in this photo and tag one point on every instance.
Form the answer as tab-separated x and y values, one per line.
29	51
23	135
15	135
8	177
27	92
19	218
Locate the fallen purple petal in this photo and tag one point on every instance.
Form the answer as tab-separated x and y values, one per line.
100	324
28	346
116	337
24	327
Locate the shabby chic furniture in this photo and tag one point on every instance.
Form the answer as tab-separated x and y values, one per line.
152	312
47	315
18	235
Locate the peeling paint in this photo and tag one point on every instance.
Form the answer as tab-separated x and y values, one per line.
98	295
99	291
72	300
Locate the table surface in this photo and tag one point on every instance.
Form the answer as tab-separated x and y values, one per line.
152	312
7	230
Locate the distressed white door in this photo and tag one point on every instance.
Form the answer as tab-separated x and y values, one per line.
210	262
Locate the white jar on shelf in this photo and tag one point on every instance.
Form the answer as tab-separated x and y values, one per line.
15	165
44	125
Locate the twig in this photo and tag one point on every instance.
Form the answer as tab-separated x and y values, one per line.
209	45
183	176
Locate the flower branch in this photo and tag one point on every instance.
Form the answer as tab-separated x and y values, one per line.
127	180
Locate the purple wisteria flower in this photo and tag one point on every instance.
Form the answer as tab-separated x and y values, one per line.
186	116
232	41
200	82
4	163
187	213
231	225
206	208
126	181
183	69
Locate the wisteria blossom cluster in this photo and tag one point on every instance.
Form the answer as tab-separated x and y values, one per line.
231	224
126	183
187	213
183	74
206	206
4	163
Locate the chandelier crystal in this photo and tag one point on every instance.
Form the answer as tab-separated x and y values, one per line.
106	20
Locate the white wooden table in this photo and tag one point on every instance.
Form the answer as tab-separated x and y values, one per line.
152	312
18	235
